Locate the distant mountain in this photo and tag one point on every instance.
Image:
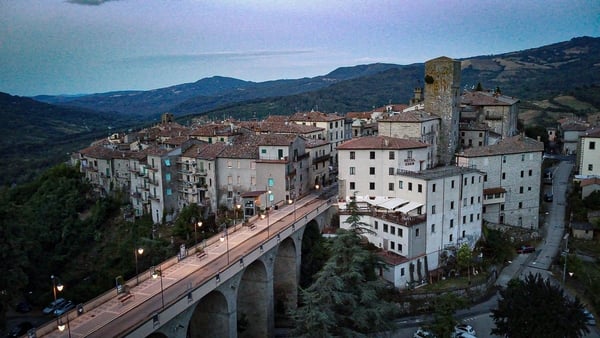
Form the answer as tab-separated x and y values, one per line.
36	135
206	94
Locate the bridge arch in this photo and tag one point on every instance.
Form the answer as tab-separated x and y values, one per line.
210	317
254	298
286	270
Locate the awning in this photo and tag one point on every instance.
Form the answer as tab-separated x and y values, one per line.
255	193
410	206
393	203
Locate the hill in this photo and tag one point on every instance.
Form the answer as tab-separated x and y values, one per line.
37	135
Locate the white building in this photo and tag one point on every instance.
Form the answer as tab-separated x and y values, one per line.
334	126
512	179
588	153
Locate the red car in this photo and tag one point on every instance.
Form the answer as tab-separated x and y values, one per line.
525	249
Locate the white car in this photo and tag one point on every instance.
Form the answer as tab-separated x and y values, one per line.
464	328
421	333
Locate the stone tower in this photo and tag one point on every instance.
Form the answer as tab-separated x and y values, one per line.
442	97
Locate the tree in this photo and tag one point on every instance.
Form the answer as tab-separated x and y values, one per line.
464	257
535	307
445	306
345	299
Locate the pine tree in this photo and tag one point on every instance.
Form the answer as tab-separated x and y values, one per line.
344	299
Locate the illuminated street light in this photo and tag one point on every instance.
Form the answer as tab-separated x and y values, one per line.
155	274
235	212
56	287
137	252
199	225
62	326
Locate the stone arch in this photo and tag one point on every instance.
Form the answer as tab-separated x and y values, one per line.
210	317
285	279
254	299
309	257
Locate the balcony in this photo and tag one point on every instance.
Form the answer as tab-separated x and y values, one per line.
320	159
154	197
494	195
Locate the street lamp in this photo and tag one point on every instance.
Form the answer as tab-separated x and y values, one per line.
56	287
61	326
137	252
199	225
316	186
224	237
566	254
155	274
268	209
237	207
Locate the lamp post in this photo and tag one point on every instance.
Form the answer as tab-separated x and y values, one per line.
56	287
155	274
61	326
197	225
268	211
137	252
224	237
566	254
236	211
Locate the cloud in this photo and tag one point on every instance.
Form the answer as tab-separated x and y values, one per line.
89	2
214	55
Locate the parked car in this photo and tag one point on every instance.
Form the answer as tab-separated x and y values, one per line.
589	317
464	328
525	249
20	329
421	333
64	307
53	306
464	335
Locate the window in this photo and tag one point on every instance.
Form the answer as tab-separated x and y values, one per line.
409	186
400	186
464	233
592	145
452	223
433	188
229	164
417	232
372	155
452	184
472	200
168	162
450	238
263	151
503	176
352	170
392	245
530	172
466	182
451	205
392	155
464	202
501	207
419	188
401	271
520	190
169	192
400	232
590	167
391	171
485	178
472	179
522	157
229	179
464	219
392	230
504	159
371	170
522	173
371	185
376	225
520	205
409	154
391	186
433	209
433	228
385	227
168	177
399	247
352	155
471	218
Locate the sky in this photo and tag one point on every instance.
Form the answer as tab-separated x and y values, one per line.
90	46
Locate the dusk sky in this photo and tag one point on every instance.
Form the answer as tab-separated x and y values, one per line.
90	46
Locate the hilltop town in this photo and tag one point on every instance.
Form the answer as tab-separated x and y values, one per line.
426	175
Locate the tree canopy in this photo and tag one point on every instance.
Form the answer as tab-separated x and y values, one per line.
535	307
345	298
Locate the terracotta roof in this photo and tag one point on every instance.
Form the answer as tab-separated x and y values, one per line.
214	129
211	151
573	126
511	145
359	115
411	116
391	258
593	132
246	146
101	151
487	99
279	127
491	191
315	116
277	118
589	181
312	143
395	107
380	142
